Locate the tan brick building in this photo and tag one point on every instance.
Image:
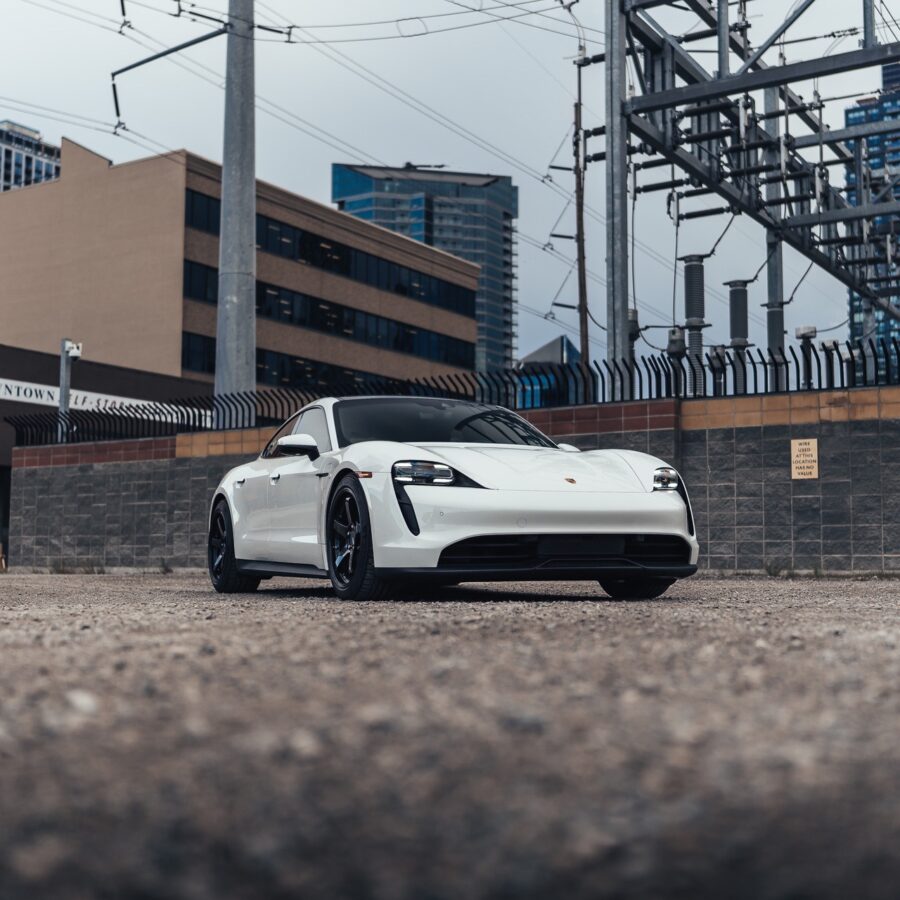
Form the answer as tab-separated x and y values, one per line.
123	258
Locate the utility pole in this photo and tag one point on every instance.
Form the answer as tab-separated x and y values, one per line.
68	351
236	317
869	39
724	38
863	193
774	246
578	152
618	346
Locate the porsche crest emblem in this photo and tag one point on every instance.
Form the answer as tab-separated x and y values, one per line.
570	480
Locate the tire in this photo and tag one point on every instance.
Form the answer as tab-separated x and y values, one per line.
636	587
220	561
351	562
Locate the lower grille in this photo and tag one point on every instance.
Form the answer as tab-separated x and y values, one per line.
529	551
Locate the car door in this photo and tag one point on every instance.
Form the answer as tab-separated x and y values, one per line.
250	511
251	500
295	488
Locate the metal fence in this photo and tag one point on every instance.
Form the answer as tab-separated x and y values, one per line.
718	373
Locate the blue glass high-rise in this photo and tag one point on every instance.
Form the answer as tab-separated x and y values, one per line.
884	157
469	215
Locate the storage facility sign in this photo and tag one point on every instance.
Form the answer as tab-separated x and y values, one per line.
48	395
805	458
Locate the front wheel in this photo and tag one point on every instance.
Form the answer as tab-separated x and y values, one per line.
223	570
351	562
636	588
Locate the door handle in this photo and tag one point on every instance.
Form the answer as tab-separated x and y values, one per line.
276	476
240	481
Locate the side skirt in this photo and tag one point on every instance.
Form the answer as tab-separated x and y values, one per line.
290	570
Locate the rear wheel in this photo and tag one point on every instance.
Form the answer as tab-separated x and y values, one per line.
223	570
351	563
636	587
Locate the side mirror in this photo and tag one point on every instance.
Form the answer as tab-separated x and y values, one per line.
569	448
298	445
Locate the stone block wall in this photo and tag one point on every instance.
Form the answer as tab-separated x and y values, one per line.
753	516
143	504
120	505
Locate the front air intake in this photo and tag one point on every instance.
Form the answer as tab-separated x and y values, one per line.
531	551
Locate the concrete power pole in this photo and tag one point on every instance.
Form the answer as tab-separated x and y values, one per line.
618	346
863	194
236	320
577	147
775	264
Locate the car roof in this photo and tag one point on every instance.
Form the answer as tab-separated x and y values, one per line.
328	403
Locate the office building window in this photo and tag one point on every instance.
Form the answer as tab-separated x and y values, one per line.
202	212
305	311
198	354
201	282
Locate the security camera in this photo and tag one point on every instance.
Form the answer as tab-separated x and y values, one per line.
73	350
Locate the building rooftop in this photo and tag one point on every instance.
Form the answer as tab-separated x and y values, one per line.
559	351
24	130
409	172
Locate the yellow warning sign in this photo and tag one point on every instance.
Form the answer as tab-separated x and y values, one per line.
805	458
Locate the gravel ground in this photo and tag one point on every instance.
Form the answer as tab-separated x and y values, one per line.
735	739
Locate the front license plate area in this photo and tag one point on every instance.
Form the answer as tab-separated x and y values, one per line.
586	545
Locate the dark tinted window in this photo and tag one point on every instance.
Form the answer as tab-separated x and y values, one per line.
416	420
313	423
198	353
202	212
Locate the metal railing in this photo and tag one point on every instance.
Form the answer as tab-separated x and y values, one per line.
718	373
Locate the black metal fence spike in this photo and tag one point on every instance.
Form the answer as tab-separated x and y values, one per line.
532	386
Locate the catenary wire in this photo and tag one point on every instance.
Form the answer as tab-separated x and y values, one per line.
150	144
429	112
370	23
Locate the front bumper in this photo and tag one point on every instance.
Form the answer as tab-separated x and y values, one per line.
546	573
448	515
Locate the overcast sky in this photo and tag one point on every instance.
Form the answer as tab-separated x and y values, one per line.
509	85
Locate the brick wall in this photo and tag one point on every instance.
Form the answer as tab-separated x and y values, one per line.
143	504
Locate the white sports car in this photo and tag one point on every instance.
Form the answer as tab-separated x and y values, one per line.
375	492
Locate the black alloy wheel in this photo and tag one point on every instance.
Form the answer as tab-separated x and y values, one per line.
222	565
351	565
640	587
345	536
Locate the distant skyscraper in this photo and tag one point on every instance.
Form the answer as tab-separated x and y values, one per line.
469	215
884	153
24	158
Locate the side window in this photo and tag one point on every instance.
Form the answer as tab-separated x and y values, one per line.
287	428
313	423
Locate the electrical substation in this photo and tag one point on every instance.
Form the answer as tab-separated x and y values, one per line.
738	133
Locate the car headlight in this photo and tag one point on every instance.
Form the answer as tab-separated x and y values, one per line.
421	472
665	479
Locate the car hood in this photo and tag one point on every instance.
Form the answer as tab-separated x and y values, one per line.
517	468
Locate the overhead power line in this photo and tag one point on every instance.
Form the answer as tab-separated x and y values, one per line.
191	11
342	59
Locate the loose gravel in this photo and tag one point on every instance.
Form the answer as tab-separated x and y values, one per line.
734	739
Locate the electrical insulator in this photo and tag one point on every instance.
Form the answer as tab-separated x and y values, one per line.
634	329
676	346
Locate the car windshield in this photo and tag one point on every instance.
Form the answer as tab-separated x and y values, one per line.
423	420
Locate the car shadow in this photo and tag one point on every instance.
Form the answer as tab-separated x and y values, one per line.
483	592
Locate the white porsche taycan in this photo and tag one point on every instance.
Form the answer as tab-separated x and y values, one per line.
375	492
